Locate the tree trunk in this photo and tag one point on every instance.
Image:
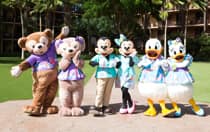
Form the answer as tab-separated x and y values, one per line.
40	22
165	33
205	20
185	28
165	38
22	29
53	23
13	32
67	16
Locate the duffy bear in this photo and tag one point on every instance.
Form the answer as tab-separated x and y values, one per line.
44	65
105	75
179	79
71	78
151	80
126	72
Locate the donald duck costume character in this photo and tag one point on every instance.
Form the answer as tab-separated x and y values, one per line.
126	72
151	80
179	79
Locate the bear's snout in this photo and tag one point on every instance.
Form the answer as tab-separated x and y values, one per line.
70	50
39	47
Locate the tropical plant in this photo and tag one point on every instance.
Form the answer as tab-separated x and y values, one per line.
22	6
48	7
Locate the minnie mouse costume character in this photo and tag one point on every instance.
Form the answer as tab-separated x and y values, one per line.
126	72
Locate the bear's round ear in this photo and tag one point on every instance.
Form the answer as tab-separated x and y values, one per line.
48	32
22	42
82	43
83	47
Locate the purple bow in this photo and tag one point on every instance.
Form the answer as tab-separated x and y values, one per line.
80	40
58	42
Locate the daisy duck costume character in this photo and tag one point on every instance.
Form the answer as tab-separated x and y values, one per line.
179	79
151	80
71	77
126	72
105	75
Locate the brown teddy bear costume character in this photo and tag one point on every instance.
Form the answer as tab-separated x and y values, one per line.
44	64
71	77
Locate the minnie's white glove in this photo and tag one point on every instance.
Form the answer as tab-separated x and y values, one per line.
15	71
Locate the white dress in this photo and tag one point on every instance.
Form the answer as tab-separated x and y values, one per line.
151	80
179	80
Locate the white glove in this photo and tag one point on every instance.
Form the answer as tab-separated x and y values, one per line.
133	54
164	64
144	63
65	30
15	71
112	63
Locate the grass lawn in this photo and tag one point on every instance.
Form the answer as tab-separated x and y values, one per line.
20	88
201	74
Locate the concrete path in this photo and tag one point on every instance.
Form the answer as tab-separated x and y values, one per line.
12	119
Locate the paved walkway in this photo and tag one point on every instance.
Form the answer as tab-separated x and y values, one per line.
12	119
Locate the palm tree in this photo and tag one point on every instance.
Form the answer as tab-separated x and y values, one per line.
21	5
48	7
200	4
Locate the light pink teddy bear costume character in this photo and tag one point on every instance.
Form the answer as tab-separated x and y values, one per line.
71	77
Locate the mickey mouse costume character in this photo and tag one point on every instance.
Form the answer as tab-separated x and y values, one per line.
126	72
105	75
179	79
151	80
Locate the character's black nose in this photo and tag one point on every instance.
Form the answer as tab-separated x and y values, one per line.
39	47
126	48
70	50
104	47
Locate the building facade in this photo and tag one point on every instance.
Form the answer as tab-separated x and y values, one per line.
197	22
10	26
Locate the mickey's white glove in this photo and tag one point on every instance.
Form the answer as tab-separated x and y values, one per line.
15	71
